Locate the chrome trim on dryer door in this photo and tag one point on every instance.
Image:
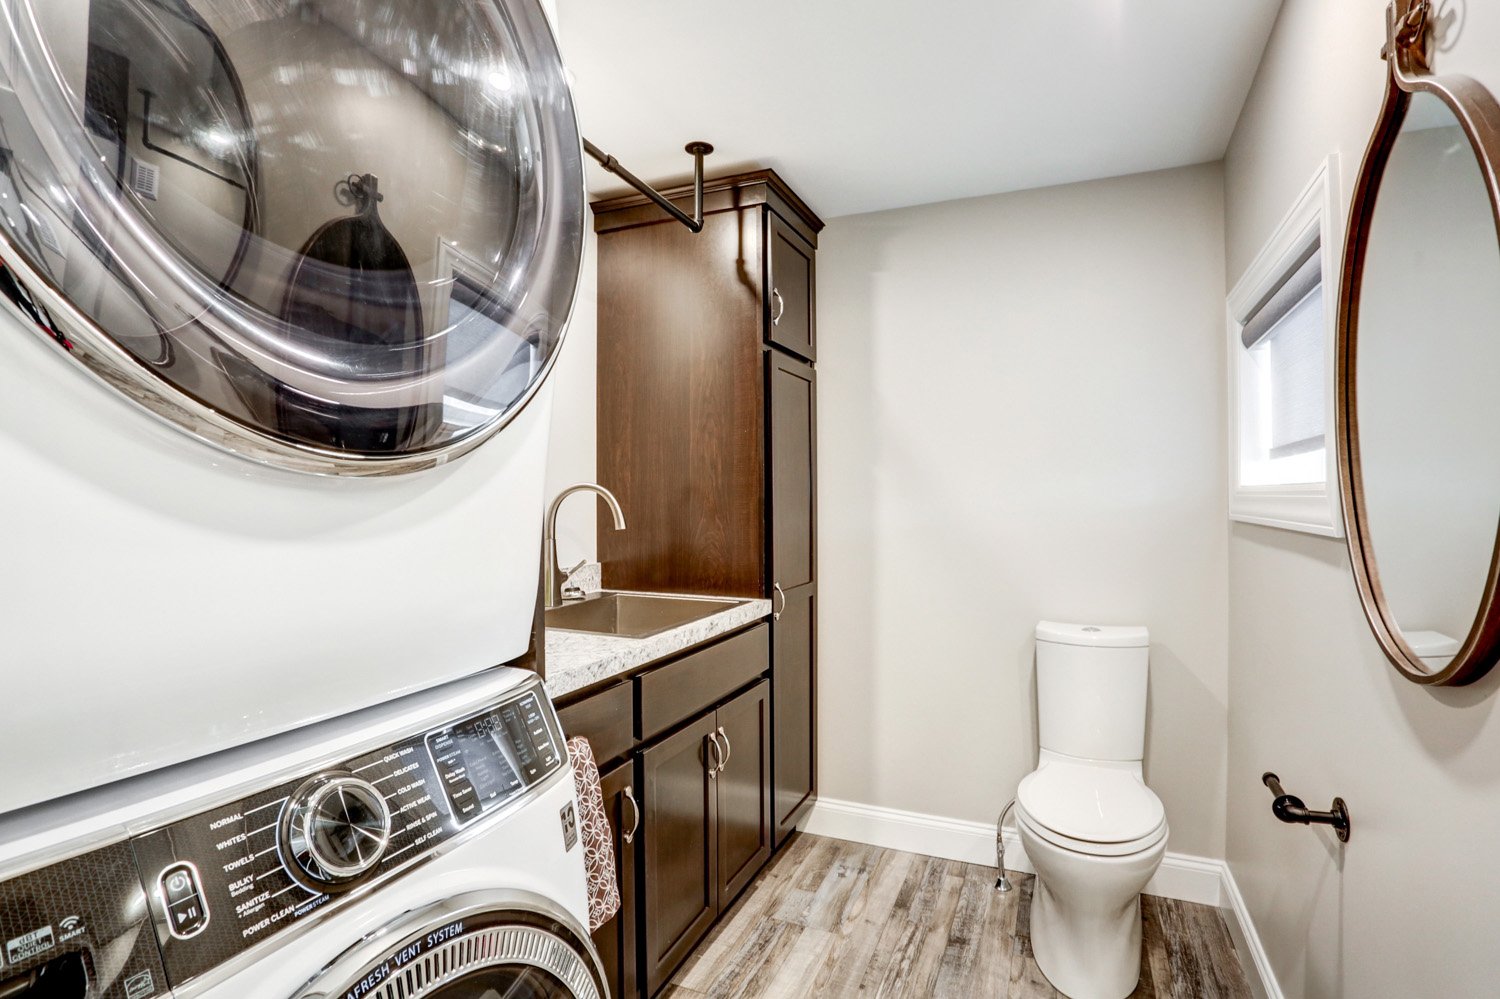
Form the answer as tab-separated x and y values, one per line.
428	948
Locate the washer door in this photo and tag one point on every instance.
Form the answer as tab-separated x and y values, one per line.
333	235
481	945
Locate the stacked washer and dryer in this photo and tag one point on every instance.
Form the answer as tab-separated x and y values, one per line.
272	271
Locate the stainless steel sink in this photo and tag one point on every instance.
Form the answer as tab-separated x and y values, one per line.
631	615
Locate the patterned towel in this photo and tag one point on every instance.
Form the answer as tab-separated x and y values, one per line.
598	840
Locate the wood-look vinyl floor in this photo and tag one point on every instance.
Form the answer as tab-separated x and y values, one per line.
835	919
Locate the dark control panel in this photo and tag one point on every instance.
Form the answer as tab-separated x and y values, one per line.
75	929
258	865
226	879
488	758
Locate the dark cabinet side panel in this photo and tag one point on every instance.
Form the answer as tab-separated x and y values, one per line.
680	415
744	790
679	850
616	939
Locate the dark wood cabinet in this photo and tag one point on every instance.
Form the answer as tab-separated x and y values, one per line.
689	800
706	826
792	312
685	324
616	939
680	862
707	421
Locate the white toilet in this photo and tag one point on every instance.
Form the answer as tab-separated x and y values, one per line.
1093	830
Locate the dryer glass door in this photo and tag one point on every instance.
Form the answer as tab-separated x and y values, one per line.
336	235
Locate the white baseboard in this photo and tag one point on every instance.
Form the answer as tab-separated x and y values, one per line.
1253	957
1181	876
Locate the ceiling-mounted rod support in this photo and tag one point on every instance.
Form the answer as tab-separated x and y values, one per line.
697	150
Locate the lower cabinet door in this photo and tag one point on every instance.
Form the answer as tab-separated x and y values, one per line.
616	939
794	711
679	848
744	782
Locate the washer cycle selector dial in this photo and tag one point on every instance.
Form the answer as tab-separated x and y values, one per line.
334	829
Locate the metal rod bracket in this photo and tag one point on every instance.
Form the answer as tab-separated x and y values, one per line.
696	149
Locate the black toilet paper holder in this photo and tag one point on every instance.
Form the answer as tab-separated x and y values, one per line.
1289	808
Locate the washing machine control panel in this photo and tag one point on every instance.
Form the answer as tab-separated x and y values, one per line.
79	927
227	879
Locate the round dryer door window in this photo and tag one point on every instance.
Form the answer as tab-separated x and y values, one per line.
334	235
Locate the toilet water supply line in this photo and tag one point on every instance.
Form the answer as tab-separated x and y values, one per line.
1002	883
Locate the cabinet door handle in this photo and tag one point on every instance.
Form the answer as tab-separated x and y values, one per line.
635	815
776	614
716	765
728	749
780	307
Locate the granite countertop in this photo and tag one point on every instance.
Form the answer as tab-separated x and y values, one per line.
578	659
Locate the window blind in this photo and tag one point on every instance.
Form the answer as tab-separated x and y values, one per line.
1288	330
1295	352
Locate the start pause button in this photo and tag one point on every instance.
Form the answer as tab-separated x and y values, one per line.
182	897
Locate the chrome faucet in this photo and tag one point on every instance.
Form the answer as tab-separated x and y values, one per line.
556	574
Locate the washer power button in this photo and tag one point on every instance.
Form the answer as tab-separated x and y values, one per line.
182	897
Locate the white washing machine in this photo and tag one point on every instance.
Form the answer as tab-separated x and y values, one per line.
427	848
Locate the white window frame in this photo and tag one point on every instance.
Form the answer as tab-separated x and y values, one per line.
1315	219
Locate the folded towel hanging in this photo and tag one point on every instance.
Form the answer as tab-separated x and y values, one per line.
598	839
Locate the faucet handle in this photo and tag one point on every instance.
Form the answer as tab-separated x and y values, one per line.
568	590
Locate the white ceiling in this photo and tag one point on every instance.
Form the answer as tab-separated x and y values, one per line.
870	104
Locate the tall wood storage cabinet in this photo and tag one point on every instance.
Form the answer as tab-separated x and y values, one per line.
706	425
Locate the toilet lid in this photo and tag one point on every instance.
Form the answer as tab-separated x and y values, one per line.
1092	804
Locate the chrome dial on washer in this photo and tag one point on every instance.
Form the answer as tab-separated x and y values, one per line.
335	828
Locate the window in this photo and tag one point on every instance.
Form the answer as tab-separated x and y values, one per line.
1281	341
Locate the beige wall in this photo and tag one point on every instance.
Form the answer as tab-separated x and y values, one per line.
1020	417
1408	908
570	456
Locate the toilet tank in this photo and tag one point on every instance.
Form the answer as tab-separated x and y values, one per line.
1091	690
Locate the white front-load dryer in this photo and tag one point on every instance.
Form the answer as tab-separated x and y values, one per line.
425	849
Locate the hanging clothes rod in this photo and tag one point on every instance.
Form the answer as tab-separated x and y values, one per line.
697	150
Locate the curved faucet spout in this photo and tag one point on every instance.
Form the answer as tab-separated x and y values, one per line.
555	572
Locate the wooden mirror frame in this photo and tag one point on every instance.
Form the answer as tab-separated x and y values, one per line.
1476	110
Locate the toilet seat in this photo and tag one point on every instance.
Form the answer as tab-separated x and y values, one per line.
1091	809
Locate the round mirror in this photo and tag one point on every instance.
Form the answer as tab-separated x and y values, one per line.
335	235
1421	329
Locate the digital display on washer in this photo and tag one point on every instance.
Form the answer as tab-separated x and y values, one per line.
487	759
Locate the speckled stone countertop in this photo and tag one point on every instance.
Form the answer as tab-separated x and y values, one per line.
576	659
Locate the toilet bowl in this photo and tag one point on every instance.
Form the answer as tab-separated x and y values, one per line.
1085	908
1093	830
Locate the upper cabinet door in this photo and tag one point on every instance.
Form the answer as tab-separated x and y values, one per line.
791	391
790	306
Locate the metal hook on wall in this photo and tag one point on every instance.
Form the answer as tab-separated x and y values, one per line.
697	150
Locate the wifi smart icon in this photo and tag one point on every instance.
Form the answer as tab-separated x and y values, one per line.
70	927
